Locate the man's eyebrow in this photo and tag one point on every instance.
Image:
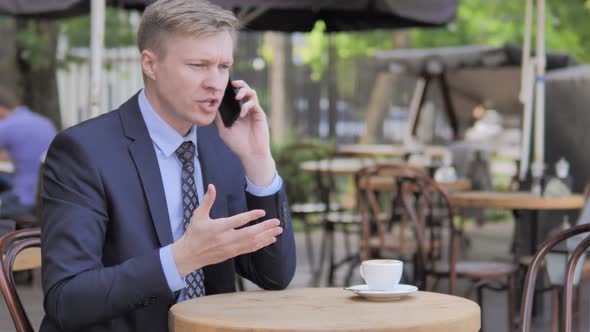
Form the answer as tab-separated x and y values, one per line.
205	61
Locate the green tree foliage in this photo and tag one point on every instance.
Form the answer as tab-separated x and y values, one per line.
119	31
567	26
314	52
486	22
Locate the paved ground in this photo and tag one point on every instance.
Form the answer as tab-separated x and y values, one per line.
488	242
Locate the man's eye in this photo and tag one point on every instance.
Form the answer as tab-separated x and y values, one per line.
225	67
197	65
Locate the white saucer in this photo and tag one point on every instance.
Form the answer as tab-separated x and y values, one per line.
377	295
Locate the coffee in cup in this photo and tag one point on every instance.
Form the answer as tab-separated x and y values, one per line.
382	274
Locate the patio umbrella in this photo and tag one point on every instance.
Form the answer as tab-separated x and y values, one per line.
279	15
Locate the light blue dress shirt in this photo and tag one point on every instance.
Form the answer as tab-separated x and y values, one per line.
166	140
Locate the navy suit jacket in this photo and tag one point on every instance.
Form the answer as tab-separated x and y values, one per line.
105	218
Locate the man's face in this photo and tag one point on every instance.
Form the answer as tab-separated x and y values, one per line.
188	82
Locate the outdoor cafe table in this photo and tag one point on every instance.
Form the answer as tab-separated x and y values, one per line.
517	201
323	309
389	150
349	166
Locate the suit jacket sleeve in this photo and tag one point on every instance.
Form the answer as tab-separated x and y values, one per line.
271	267
79	290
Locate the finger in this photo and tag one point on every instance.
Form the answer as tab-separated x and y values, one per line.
262	240
202	212
257	229
241	219
241	93
275	231
239	84
264	243
251	105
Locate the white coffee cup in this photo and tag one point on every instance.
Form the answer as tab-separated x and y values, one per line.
382	274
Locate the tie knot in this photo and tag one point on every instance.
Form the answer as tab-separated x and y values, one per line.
186	152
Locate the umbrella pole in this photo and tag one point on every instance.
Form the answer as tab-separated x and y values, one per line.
96	54
539	155
527	121
526	91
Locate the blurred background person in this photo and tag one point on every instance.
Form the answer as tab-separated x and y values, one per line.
24	136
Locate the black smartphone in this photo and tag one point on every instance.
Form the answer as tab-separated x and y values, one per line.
230	108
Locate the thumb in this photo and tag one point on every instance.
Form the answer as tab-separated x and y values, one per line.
202	212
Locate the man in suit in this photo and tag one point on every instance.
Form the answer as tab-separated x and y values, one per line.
121	238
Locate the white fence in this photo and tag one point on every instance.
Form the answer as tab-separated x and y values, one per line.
121	79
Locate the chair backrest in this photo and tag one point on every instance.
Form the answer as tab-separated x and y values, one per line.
411	188
10	245
428	206
533	270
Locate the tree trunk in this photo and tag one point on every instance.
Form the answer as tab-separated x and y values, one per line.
332	89
278	115
38	67
10	78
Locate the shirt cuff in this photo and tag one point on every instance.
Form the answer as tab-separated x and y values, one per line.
175	282
271	189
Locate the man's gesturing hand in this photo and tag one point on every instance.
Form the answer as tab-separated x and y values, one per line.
207	241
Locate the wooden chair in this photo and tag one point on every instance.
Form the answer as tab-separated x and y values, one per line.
11	245
569	284
536	265
428	208
525	263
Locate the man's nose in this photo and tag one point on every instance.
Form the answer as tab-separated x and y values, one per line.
216	80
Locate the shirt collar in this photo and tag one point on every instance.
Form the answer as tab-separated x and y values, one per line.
166	138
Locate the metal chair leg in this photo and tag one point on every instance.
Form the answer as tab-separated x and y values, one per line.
331	259
309	248
480	302
318	271
511	303
555	309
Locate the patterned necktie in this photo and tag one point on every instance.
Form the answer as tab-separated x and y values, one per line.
190	201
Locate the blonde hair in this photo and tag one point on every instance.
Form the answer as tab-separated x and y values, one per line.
190	17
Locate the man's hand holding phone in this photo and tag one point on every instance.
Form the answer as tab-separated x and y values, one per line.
248	137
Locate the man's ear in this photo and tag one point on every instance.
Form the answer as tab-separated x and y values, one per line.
149	63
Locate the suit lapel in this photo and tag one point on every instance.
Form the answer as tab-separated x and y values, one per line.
143	155
207	158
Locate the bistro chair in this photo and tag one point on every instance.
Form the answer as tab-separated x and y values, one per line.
11	245
537	264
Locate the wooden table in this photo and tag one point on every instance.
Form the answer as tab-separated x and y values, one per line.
389	150
349	166
344	166
337	166
388	183
517	201
323	309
